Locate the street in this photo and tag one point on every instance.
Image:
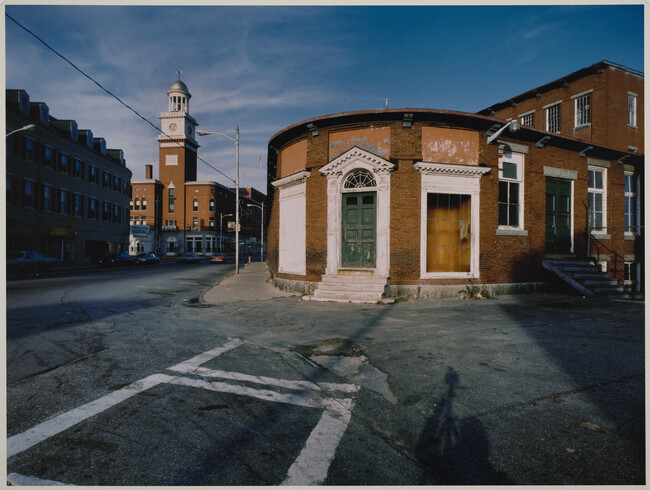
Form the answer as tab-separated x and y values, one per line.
124	377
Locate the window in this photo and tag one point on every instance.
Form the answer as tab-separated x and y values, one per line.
144	203
597	198
144	220
137	204
64	163
631	204
553	119
195	224
116	183
11	189
106	211
78	205
107	179
195	205
28	152
48	157
48	198
582	109
211	224
528	119
212	204
78	169
631	109
64	202
511	190
92	208
92	174
28	194
131	204
117	215
171	199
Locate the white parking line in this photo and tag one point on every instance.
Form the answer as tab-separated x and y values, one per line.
191	364
20	442
284	383
312	464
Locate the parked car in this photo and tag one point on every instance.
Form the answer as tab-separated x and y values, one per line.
190	257
113	260
217	259
29	261
146	259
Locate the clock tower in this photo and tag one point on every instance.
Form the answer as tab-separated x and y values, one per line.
177	162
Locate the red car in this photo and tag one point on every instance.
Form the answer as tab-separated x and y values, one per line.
217	259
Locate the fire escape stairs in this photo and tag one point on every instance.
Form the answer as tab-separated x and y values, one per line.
586	277
352	286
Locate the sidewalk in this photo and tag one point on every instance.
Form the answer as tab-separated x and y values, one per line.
252	283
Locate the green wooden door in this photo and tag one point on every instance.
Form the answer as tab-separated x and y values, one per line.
359	230
558	216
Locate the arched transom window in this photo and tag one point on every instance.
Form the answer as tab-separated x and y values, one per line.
359	179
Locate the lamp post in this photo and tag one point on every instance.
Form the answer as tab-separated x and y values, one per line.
261	230
200	132
221	217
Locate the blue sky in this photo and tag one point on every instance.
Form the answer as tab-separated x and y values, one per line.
264	68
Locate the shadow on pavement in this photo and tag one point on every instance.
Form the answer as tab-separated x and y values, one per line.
452	451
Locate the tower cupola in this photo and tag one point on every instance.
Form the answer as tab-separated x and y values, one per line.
179	97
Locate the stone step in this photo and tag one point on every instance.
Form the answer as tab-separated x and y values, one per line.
601	282
328	286
346	296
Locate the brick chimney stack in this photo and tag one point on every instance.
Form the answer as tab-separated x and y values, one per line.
149	172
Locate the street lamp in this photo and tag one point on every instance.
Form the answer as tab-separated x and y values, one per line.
24	128
262	229
221	217
514	126
200	132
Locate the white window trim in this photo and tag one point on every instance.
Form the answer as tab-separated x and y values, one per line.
451	179
517	159
602	233
575	99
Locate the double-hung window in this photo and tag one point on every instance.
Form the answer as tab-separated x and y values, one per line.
631	109
511	172
553	117
171	200
93	212
48	198
597	198
528	119
29	199
631	204
582	103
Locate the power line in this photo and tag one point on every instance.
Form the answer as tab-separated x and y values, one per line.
107	91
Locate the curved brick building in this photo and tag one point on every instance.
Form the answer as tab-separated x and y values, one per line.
421	203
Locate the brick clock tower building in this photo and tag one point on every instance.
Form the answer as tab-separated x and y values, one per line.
183	214
177	163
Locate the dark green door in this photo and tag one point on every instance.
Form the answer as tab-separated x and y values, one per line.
558	216
359	229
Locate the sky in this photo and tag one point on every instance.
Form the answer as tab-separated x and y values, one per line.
265	67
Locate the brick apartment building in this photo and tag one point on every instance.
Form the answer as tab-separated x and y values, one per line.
422	202
67	194
175	213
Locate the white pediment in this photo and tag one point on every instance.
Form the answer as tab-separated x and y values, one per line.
356	158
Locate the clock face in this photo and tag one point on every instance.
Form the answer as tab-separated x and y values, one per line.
172	127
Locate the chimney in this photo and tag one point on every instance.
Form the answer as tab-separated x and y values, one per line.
149	172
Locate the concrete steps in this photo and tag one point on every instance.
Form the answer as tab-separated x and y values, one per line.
351	286
586	277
